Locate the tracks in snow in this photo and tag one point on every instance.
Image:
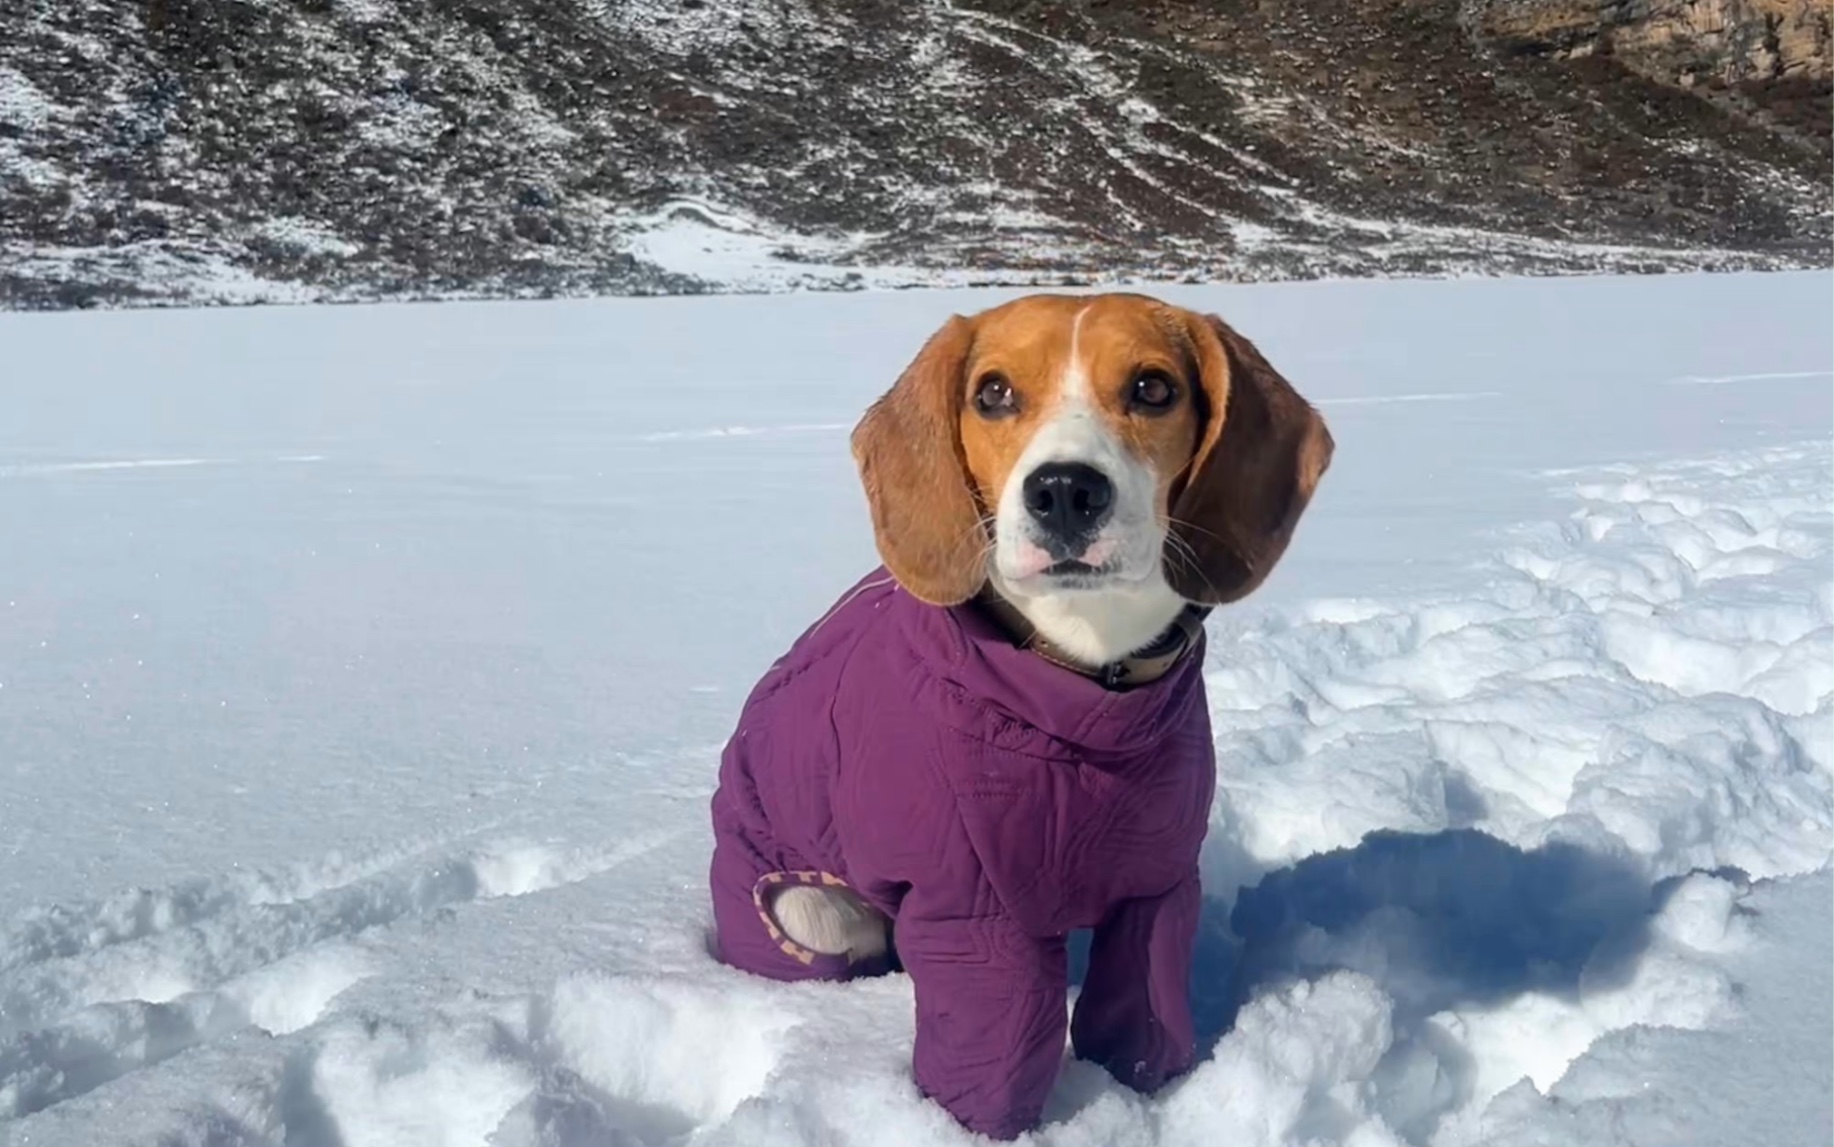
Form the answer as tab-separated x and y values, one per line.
89	993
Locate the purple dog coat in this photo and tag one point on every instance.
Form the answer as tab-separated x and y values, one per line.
989	802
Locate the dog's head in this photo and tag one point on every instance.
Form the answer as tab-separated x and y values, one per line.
1071	444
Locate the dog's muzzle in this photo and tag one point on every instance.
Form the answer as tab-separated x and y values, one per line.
1067	502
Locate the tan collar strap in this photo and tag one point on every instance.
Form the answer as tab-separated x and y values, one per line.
1139	668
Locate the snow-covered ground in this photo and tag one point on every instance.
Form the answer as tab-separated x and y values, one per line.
363	673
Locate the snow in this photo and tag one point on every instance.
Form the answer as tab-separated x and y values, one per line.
363	671
305	236
710	27
205	272
716	244
23	109
736	252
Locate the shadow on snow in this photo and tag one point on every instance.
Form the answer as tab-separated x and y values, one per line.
1442	920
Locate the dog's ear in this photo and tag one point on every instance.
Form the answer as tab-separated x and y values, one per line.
1259	456
908	447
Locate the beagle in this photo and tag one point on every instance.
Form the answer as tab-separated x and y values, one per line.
1081	478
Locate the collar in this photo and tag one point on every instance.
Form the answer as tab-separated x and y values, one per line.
1141	667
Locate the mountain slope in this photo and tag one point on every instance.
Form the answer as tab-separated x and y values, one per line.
162	150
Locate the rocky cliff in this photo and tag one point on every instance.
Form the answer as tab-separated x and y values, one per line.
205	150
1675	41
1765	60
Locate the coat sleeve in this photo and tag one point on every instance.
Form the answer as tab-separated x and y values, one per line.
1134	1014
990	1015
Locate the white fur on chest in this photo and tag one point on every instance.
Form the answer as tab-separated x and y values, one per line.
1100	626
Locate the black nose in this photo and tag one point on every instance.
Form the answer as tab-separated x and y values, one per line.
1068	500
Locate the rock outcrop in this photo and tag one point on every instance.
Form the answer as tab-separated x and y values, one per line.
1766	59
1676	41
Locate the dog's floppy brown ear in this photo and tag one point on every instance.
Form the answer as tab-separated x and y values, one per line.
908	447
1259	456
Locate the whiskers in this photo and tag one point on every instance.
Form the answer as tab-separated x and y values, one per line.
1184	556
983	527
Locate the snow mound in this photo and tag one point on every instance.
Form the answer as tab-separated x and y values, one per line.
1649	679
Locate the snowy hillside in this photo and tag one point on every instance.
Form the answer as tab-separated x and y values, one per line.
160	151
363	673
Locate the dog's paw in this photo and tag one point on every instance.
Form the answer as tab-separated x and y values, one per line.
830	921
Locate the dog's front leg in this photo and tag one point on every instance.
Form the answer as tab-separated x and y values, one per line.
990	1016
1134	1014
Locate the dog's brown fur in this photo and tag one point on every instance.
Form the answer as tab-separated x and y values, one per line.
1238	455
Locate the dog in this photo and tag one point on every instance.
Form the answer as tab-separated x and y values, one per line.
1001	736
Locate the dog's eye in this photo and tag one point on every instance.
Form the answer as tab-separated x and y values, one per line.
994	397
1152	391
